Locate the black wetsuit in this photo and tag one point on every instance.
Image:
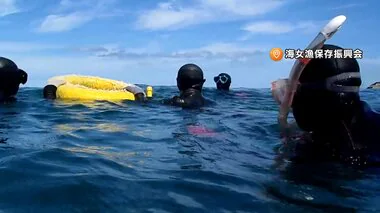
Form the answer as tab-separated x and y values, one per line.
190	98
360	145
10	83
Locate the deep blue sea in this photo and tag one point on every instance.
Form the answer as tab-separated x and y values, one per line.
62	156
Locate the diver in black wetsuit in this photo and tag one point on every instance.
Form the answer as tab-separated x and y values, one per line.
327	104
223	81
10	79
189	82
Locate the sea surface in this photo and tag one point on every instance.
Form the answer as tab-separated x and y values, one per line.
66	156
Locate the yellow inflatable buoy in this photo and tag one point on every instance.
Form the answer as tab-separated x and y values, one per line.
149	91
78	87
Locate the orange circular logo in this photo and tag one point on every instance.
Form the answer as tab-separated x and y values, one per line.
276	54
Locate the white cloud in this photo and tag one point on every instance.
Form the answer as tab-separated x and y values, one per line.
242	7
172	15
345	6
269	27
276	27
81	12
8	7
60	23
227	51
69	4
168	16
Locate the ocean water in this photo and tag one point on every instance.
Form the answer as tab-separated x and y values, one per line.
61	156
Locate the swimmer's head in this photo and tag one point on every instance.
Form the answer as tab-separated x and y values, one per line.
10	78
328	92
223	81
50	92
190	76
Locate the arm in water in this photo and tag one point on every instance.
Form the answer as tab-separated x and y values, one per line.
175	101
137	91
188	99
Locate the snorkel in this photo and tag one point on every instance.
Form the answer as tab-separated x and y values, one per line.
283	89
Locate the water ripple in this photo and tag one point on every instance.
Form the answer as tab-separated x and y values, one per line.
70	156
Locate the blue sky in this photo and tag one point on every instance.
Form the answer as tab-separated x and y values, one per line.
146	41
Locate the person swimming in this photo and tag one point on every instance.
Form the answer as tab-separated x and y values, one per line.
328	106
223	81
190	83
10	79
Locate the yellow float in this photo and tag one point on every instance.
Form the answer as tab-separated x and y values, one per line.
80	87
